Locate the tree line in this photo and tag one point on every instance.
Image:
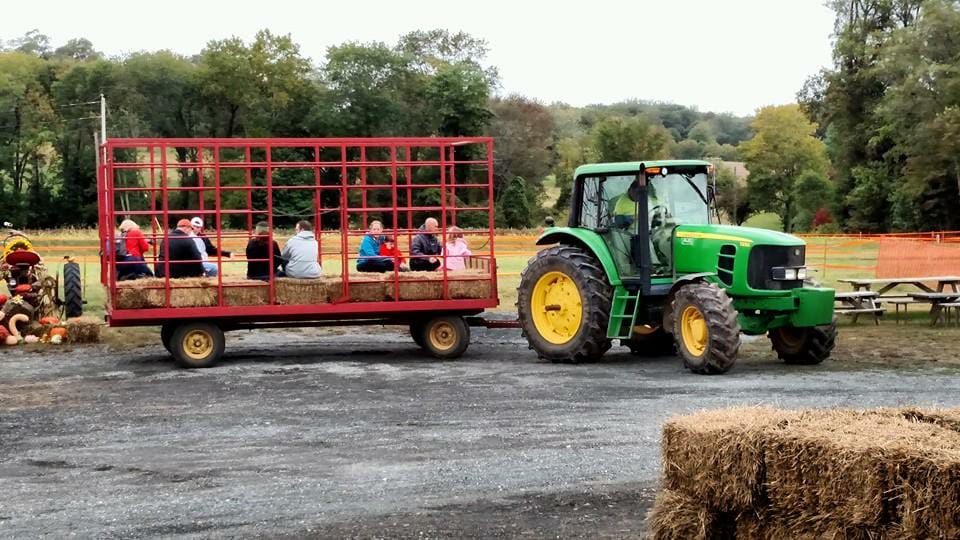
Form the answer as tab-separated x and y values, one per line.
428	83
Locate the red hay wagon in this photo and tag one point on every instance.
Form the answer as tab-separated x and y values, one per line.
337	185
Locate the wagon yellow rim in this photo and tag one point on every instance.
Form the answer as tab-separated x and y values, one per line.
443	336
693	328
197	345
557	307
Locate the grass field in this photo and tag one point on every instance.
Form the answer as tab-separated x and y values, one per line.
831	258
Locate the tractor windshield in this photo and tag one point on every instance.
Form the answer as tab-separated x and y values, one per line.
679	198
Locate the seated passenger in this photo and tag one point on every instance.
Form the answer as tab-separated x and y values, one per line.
301	253
135	245
185	259
259	248
369	255
206	248
456	250
425	247
389	249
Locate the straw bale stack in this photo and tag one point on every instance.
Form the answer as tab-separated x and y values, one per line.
718	456
300	291
888	473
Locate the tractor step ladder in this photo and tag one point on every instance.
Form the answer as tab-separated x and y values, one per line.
623	314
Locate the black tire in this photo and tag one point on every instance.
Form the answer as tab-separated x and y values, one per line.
445	337
166	335
656	343
72	290
722	342
416	332
804	346
590	341
199	353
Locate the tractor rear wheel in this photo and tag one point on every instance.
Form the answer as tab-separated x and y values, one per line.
804	346
655	342
564	303
72	290
706	328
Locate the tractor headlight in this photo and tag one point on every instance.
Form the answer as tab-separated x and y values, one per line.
789	274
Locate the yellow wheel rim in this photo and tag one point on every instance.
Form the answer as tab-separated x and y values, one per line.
557	307
443	336
197	345
693	328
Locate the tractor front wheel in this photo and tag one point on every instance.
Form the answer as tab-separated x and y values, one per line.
564	303
705	328
804	346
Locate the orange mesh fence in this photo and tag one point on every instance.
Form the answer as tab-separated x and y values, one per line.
900	257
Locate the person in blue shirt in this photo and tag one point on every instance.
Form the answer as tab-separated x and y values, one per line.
370	259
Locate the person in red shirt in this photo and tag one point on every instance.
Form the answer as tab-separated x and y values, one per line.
137	247
388	248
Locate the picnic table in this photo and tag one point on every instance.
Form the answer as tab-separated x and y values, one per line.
858	303
938	301
927	294
886	284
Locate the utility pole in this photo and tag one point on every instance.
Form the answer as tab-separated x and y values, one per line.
103	119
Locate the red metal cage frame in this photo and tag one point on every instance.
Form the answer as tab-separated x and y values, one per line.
151	164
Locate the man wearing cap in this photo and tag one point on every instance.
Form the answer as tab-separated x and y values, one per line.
184	259
206	248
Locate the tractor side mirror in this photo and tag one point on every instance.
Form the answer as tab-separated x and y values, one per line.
549	221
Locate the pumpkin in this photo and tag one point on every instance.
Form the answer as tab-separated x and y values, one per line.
3	299
58	331
49	320
3	332
12	340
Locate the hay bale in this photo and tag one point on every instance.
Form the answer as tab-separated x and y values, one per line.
150	293
946	418
291	291
677	516
363	287
83	330
866	469
718	456
461	284
246	292
771	526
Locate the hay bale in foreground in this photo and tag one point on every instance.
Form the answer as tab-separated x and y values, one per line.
150	293
676	516
83	330
866	469
718	456
769	526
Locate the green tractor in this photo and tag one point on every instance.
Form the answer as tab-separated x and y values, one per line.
641	262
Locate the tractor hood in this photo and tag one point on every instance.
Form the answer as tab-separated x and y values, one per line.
688	235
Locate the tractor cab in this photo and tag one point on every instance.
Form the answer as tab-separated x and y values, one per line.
637	211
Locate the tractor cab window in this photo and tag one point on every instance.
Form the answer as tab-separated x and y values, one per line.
678	198
605	203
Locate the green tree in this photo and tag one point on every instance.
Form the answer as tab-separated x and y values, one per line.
783	151
688	149
620	139
523	140
514	209
732	197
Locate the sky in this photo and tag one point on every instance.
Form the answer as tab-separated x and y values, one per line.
722	56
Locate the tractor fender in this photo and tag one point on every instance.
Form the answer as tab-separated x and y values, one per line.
588	241
680	282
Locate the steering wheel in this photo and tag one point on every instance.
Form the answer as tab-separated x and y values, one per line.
658	214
